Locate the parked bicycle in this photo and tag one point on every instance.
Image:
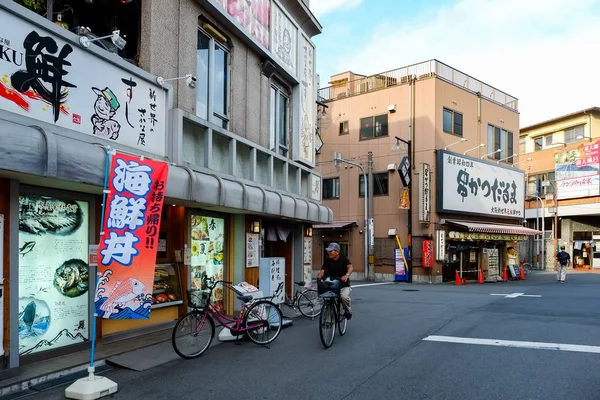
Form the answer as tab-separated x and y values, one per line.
332	314
260	319
527	267
307	302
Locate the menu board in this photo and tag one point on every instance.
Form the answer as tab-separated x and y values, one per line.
208	253
53	273
492	261
252	249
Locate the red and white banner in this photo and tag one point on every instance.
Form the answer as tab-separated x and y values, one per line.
129	239
427	255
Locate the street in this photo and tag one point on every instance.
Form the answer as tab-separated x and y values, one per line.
384	354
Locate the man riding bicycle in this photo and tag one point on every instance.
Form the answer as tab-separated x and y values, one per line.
337	266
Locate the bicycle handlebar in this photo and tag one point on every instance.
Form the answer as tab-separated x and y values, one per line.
211	282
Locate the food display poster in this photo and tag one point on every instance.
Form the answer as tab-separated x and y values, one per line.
129	236
53	273
252	250
208	253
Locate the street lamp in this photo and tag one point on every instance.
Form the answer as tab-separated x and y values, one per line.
580	137
489	154
529	159
554	193
543	226
553	143
395	148
474	148
451	144
506	158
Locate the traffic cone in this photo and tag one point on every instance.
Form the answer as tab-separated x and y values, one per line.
458	280
480	276
505	275
521	274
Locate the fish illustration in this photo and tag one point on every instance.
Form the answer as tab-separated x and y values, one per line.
32	226
27	248
29	315
123	292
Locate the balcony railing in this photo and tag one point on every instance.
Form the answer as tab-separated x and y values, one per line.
422	70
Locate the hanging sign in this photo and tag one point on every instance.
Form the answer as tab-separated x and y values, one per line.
129	237
424	193
427	255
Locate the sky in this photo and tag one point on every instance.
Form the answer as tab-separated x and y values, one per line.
545	53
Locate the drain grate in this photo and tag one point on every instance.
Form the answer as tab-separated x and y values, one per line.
41	387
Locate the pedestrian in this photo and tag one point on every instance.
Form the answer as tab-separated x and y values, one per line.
563	261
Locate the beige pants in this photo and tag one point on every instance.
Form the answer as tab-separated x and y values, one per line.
345	297
562	272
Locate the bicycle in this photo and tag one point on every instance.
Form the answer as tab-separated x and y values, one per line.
260	319
332	314
527	267
308	302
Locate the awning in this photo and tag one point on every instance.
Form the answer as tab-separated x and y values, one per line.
336	225
494	228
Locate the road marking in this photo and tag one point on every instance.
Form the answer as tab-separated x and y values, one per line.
514	343
372	284
514	295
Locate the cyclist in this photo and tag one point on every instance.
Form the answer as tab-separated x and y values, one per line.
337	266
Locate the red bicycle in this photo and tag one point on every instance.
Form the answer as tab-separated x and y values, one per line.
260	319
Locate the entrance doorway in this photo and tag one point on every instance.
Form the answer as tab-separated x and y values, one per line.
279	240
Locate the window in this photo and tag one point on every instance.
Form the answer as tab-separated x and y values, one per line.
523	145
548	140
500	139
571	134
539	144
380	184
331	188
373	127
453	122
279	120
535	186
212	78
344	130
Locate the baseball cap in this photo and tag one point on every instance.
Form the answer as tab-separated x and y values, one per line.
333	246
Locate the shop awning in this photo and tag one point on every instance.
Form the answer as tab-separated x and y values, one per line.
482	227
336	225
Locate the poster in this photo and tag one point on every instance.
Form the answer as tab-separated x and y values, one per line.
492	257
253	16
427	254
308	250
252	250
208	253
53	273
129	237
577	172
400	267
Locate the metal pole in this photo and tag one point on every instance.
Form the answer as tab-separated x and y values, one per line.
410	208
371	216
543	235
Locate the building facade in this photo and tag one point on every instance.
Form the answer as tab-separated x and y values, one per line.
561	159
467	198
224	91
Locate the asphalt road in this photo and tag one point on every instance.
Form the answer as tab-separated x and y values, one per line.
383	354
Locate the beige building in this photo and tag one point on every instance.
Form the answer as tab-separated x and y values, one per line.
443	108
561	159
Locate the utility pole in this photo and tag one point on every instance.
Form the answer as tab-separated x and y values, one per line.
371	220
410	202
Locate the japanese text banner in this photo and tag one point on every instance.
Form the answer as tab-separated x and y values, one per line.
129	239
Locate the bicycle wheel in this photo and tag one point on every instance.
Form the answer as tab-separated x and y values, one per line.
342	321
193	334
263	321
310	303
527	268
327	324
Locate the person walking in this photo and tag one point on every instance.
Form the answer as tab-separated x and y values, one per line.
563	261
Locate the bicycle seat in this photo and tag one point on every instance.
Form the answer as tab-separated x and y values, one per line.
301	283
245	299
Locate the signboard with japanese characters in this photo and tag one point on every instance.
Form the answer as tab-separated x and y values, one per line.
424	193
577	172
284	38
46	78
304	144
427	254
129	237
252	250
440	245
467	185
253	16
271	275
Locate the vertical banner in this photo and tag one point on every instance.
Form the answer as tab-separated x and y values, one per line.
129	237
424	193
427	255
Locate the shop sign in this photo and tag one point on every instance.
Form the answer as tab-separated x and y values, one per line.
577	172
253	16
252	250
440	245
424	193
284	38
308	242
50	80
485	236
1	284
53	273
400	262
427	255
304	142
467	185
129	236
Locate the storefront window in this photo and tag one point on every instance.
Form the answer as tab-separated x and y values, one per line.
208	253
53	273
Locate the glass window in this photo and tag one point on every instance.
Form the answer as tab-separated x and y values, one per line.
447	120
344	129
502	154
279	121
539	144
331	188
380	184
522	145
490	139
548	140
572	134
282	114
366	128
202	62
453	122
220	106
497	143
381	125
509	147
273	119
458	123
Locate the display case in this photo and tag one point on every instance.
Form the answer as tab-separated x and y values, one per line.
167	286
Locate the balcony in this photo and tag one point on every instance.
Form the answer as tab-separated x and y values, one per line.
427	69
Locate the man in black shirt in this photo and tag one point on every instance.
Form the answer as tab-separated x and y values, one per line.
337	266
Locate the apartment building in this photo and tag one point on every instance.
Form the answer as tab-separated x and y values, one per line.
224	91
561	159
467	192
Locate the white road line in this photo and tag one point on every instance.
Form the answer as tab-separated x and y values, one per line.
372	284
514	295
514	343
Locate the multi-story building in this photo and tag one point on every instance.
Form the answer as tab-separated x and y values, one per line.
561	159
225	91
467	198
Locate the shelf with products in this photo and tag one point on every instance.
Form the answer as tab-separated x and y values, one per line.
167	286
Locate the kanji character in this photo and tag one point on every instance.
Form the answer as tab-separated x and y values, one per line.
133	177
126	211
462	178
120	249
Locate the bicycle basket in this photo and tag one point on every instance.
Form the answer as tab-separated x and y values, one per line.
198	298
324	286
